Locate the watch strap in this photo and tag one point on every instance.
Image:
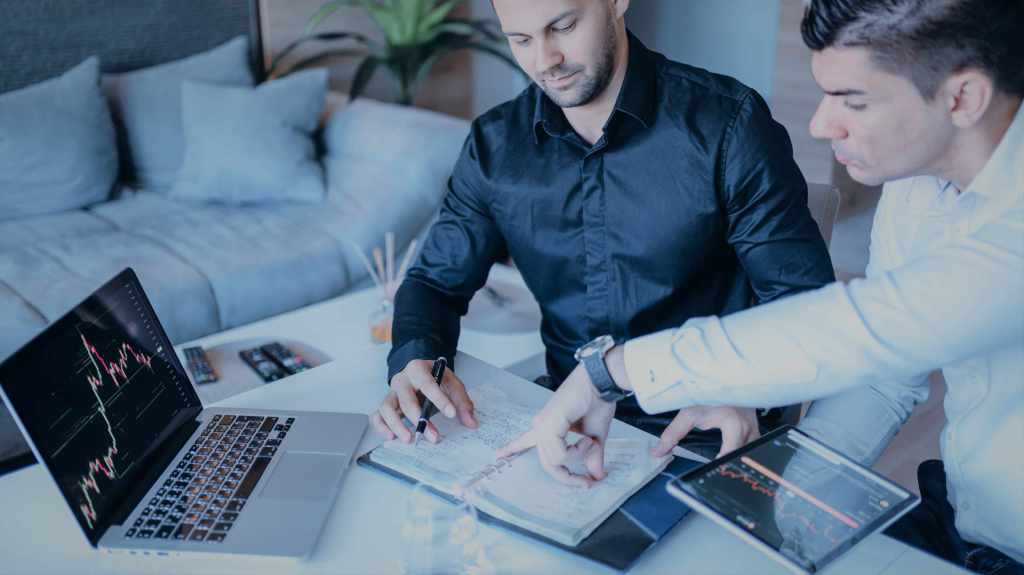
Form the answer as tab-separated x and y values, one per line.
602	378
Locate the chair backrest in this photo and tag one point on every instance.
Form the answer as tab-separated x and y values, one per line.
823	201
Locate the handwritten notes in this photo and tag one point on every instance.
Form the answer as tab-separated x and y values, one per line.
520	491
462	452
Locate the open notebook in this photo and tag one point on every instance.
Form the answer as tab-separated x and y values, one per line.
518	491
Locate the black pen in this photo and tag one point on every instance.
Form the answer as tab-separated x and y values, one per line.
428	407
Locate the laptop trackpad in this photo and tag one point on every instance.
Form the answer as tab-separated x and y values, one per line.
301	475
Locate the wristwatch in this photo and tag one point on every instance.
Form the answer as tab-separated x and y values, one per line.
591	355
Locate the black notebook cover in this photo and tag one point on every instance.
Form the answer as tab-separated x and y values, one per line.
632	529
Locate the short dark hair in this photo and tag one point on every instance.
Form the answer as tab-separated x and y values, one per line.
926	40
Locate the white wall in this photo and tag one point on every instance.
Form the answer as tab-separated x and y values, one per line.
732	37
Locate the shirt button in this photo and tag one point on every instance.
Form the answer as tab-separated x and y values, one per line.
966	506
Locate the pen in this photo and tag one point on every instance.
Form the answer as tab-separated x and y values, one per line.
428	407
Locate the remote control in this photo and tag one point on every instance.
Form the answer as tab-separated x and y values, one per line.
199	366
262	364
284	357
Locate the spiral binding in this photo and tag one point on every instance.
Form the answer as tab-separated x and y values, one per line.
487	473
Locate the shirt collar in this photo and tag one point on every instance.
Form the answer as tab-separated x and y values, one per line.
636	98
1004	172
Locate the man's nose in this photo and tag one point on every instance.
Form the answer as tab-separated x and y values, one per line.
549	56
824	124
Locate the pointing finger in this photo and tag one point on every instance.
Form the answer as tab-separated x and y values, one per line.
679	428
517	445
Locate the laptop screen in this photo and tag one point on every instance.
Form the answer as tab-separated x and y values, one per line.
96	392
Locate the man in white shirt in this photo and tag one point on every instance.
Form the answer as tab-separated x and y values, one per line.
924	95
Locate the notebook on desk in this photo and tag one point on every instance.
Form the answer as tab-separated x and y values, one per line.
613	522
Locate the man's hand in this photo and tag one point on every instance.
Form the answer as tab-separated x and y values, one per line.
738	426
450	398
577	407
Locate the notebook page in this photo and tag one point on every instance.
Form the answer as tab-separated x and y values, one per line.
463	452
526	495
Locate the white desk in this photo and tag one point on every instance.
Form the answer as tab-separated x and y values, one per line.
39	535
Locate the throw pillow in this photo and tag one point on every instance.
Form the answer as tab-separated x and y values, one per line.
252	145
147	107
57	147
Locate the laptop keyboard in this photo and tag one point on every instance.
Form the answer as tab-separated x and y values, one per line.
205	493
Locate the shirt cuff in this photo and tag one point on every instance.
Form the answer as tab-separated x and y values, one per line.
417	349
656	377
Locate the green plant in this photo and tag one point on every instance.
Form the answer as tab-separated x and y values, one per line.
417	33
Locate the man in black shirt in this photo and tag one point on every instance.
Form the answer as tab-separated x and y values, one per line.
632	193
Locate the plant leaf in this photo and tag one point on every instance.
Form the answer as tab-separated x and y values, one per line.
362	76
320	56
325	10
483	28
429	23
320	37
386	17
408	13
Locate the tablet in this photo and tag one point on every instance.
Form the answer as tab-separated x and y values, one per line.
794	498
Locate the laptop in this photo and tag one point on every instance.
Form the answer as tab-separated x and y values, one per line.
106	406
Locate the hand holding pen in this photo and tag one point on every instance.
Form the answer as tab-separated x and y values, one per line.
437	372
412	386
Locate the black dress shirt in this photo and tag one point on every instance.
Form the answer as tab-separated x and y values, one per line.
689	205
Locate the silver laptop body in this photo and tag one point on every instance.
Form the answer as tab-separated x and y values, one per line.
107	408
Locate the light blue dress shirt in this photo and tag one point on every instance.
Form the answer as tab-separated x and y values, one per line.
945	289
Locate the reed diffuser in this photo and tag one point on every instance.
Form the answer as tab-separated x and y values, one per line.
386	279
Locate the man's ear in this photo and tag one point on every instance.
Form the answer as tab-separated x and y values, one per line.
620	7
967	94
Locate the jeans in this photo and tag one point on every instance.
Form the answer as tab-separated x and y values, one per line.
930	527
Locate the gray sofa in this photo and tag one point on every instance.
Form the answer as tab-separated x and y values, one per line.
209	267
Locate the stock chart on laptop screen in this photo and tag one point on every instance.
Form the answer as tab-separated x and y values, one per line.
96	392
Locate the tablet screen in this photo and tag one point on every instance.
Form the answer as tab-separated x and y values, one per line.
797	496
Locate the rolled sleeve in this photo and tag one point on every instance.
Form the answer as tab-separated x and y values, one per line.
878	331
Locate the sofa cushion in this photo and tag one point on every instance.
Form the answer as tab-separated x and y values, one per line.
147	108
259	260
57	147
19	322
39	283
252	145
35	229
55	275
388	167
